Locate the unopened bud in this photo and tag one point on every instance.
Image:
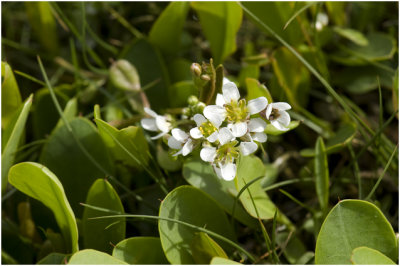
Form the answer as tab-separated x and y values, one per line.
124	76
200	107
205	77
186	111
192	100
196	69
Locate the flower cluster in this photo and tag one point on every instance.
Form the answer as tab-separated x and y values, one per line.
224	130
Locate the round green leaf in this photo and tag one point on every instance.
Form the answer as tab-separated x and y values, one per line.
193	206
351	224
74	168
140	250
204	248
365	256
91	257
223	261
40	183
99	234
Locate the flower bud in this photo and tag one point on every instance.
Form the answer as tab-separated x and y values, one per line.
186	111
196	69
200	107
193	100
124	76
205	77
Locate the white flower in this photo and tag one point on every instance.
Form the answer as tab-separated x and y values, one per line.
228	106
204	129
225	171
277	115
180	140
156	123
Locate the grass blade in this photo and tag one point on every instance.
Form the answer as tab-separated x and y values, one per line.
321	174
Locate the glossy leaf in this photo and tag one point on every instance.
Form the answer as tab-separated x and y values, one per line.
352	35
249	168
369	256
13	136
91	257
321	174
125	144
151	68
140	250
180	204
255	90
62	155
202	176
351	224
10	96
40	183
204	248
167	30
45	116
223	261
271	130
100	234
220	22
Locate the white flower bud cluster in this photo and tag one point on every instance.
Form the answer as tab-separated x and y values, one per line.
224	130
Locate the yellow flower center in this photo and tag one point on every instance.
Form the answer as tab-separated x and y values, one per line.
207	128
236	111
227	152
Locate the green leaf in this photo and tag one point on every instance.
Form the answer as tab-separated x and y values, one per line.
352	35
71	164
179	93
180	204
140	250
336	11
223	261
220	22
90	257
369	256
275	15
10	96
337	142
351	224
14	137
292	77
204	248
166	32
271	130
43	23
395	91
251	71
151	67
53	258
100	234
40	183
125	144
294	248
321	174
45	116
70	111
249	168
202	176
166	161
255	90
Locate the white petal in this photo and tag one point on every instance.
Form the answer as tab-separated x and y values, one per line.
247	148
220	100
213	137
238	129
230	92
149	124
159	135
199	119
260	137
257	125
257	105
188	147
228	171
176	154
173	143
225	80
278	125
162	124
216	114
225	136
281	106
150	112
179	134
284	118
196	133
217	170
268	111
208	154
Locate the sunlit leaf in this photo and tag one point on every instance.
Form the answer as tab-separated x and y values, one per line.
223	261
10	95
352	35
365	256
91	256
204	248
